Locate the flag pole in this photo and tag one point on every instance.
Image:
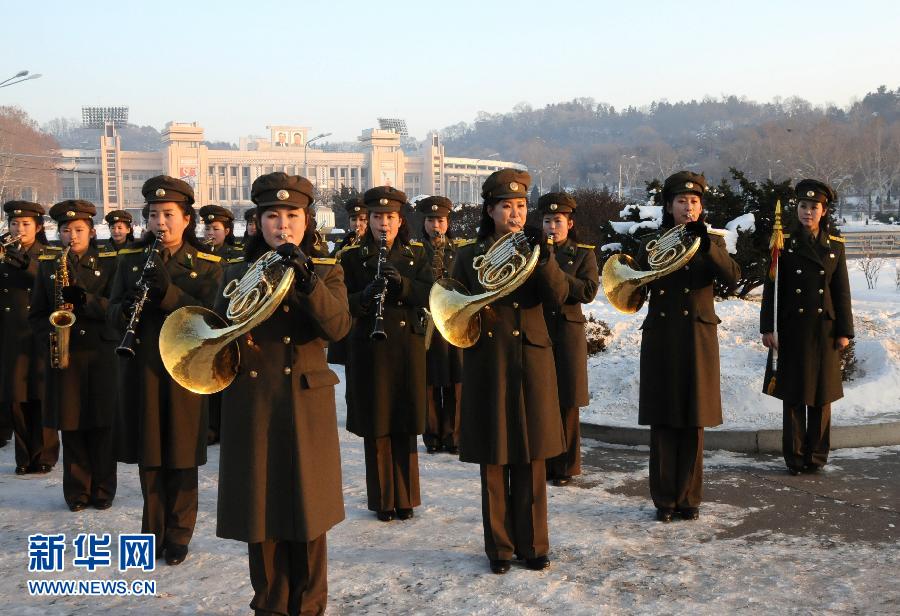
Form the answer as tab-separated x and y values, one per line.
776	244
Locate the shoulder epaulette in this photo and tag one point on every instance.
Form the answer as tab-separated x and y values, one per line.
131	251
461	243
235	260
48	257
324	260
415	243
208	257
107	254
53	248
587	246
354	247
785	235
837	238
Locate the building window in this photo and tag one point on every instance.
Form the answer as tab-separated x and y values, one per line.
212	170
221	193
234	193
246	193
234	172
245	171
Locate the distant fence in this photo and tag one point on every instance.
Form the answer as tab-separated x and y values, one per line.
872	243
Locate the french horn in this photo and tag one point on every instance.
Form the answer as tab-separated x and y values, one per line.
501	270
199	349
624	282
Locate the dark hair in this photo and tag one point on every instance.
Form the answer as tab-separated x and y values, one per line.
189	234
129	237
403	233
256	245
486	226
229	226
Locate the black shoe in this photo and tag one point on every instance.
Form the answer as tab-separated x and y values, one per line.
689	513
42	469
499	566
212	437
385	516
431	448
77	506
793	470
452	449
21	470
538	563
562	481
102	503
405	514
664	515
175	554
811	469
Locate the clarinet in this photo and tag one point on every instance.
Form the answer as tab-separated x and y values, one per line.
126	347
378	332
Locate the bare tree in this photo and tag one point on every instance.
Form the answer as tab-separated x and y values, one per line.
27	168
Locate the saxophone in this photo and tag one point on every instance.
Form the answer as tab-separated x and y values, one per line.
437	262
63	317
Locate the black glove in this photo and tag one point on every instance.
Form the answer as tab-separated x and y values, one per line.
372	290
392	276
698	229
536	238
129	300
304	274
74	295
17	258
157	279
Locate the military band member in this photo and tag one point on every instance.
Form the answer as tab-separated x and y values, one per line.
358	220
680	393
815	323
120	229
21	362
77	400
280	468
218	232
566	325
250	223
386	378
443	360
163	424
509	417
356	231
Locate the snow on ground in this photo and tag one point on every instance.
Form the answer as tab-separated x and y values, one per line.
609	556
873	397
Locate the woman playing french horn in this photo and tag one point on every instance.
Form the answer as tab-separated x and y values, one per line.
509	417
280	468
679	390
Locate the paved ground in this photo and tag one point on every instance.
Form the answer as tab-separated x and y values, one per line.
855	498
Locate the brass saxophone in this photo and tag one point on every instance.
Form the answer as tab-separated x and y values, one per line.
63	318
437	262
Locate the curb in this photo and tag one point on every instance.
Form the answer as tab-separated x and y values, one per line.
754	441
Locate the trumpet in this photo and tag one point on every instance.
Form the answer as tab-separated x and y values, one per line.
8	240
126	347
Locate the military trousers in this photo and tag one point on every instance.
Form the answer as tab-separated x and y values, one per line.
89	466
514	510
392	472
806	434
568	463
215	418
676	467
442	416
35	444
289	577
170	504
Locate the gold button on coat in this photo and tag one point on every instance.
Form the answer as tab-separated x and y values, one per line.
685	313
286	340
515	332
515	304
287	370
253	374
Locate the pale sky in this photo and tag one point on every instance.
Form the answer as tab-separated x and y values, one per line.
336	66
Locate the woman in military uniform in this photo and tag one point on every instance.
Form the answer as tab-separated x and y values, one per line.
120	229
21	365
566	325
680	393
357	215
280	467
386	378
163	425
218	232
77	399
443	375
509	417
250	223
815	323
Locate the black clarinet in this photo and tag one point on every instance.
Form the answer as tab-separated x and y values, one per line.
126	347
378	332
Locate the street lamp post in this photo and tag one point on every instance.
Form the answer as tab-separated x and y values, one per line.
488	157
21	76
305	146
